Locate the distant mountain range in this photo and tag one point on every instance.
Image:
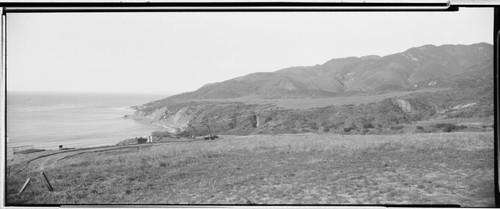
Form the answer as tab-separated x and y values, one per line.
416	67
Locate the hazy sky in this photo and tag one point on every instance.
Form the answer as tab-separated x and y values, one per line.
178	52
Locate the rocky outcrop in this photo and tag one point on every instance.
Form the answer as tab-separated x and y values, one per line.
464	106
404	105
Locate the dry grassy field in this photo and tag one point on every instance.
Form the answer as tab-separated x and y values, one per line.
301	103
448	168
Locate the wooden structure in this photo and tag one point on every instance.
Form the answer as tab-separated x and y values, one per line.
25	185
46	181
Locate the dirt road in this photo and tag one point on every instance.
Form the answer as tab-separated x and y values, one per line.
47	159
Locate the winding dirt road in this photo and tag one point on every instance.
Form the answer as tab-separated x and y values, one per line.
47	159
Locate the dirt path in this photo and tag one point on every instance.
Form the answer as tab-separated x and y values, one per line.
47	159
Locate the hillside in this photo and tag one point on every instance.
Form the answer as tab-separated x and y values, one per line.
420	84
414	68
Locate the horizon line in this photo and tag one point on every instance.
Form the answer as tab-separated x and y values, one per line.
92	92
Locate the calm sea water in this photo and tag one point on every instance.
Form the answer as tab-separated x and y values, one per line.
47	120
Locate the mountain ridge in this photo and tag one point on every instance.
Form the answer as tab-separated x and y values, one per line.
432	84
410	69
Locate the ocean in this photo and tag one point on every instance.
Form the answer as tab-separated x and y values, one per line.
47	120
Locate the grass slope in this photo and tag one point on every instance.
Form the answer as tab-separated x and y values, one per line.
324	101
439	168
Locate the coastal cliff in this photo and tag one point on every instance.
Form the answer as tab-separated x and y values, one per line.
199	118
384	117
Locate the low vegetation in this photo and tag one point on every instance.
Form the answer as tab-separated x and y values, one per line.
439	127
421	168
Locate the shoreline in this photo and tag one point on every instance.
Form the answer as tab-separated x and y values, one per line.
170	129
89	142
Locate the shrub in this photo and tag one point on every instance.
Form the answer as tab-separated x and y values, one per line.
312	125
396	127
367	125
440	125
419	129
448	127
348	129
141	140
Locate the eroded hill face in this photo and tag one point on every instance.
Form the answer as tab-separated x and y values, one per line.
463	73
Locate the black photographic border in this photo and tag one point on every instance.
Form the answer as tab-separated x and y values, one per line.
247	6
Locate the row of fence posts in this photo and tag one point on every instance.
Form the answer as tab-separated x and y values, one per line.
44	179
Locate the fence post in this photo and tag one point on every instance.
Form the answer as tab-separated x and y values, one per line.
46	181
24	186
